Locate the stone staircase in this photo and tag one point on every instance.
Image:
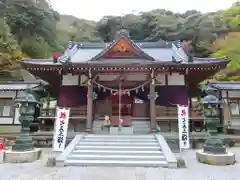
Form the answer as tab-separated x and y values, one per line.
97	127
139	127
115	150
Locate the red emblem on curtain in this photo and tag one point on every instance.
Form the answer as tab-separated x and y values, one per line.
183	113
62	115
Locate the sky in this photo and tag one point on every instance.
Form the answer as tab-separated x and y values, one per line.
95	9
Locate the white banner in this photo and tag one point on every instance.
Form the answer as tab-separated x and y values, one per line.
61	127
183	127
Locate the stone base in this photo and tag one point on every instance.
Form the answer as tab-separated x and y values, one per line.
22	157
123	130
215	159
214	145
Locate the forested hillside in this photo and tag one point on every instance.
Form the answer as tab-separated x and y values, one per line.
32	28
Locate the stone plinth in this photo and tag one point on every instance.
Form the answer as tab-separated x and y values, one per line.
123	130
22	157
216	159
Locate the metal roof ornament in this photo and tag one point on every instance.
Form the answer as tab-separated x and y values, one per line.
122	33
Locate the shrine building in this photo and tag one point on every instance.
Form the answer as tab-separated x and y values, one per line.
134	81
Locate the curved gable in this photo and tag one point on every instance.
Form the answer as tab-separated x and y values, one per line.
123	48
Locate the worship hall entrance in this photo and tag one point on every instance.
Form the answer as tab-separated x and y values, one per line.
122	109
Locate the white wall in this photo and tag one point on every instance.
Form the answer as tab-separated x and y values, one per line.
129	77
17	114
160	80
11	94
70	80
231	94
137	77
176	80
7	94
6	120
173	80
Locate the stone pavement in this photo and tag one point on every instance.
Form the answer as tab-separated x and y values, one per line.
194	170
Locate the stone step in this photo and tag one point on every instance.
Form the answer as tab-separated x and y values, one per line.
141	126
116	163
145	129
116	157
121	152
118	140
121	136
137	128
100	132
141	131
115	148
130	144
141	123
134	125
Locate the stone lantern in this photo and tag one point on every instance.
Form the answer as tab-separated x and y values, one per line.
28	104
214	150
213	144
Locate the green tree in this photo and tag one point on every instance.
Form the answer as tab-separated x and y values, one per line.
9	51
30	19
232	17
228	46
35	47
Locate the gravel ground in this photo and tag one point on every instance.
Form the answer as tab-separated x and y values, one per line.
194	170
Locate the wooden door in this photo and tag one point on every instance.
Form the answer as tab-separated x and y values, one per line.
125	108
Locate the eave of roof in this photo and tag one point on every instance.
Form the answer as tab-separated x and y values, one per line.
124	62
18	86
227	86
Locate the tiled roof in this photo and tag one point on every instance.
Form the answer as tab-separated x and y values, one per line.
84	55
160	51
47	62
79	52
17	87
235	86
141	44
